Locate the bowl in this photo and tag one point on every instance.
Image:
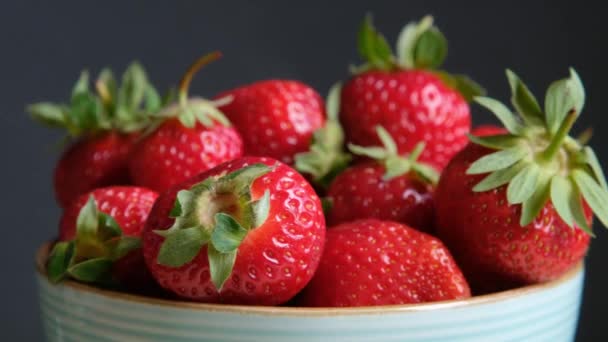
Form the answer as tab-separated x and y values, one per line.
76	312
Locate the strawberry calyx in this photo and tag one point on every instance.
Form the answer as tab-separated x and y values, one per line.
538	159
218	213
188	110
89	257
326	157
395	164
125	108
420	45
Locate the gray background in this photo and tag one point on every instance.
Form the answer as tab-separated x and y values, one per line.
44	45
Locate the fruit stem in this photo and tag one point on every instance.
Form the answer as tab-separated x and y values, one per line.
556	142
184	83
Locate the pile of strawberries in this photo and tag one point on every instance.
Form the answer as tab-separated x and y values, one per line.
264	195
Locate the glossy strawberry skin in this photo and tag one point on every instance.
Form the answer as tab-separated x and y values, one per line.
372	262
484	234
128	205
174	153
413	106
361	192
485	130
91	163
276	259
276	118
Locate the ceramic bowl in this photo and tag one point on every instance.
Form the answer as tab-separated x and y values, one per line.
77	312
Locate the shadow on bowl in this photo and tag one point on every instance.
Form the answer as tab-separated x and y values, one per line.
77	312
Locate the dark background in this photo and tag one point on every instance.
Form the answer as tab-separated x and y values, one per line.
45	44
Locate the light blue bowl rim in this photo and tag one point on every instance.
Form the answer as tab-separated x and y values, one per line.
43	251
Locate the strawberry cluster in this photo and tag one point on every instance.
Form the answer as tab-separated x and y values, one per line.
265	195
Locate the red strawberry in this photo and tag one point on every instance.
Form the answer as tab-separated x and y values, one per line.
372	262
128	205
406	96
276	118
485	130
104	126
514	208
99	239
389	188
250	231
194	137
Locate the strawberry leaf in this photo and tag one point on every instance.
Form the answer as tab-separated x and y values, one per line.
374	152
522	186
534	204
594	163
92	270
387	140
578	211
524	102
124	245
426	172
243	178
107	227
82	85
220	266
49	114
497	160
395	167
373	46
562	97
406	42
59	260
261	209
181	246
595	195
228	233
503	114
497	142
431	49
88	221
468	88
562	195
498	178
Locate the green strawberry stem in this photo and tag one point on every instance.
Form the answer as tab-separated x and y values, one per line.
89	257
326	157
126	107
218	213
420	45
190	111
556	142
184	84
395	164
538	160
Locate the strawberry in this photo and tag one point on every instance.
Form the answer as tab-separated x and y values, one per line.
129	206
485	130
103	126
390	187
99	239
276	118
250	231
517	208
405	95
371	262
193	137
